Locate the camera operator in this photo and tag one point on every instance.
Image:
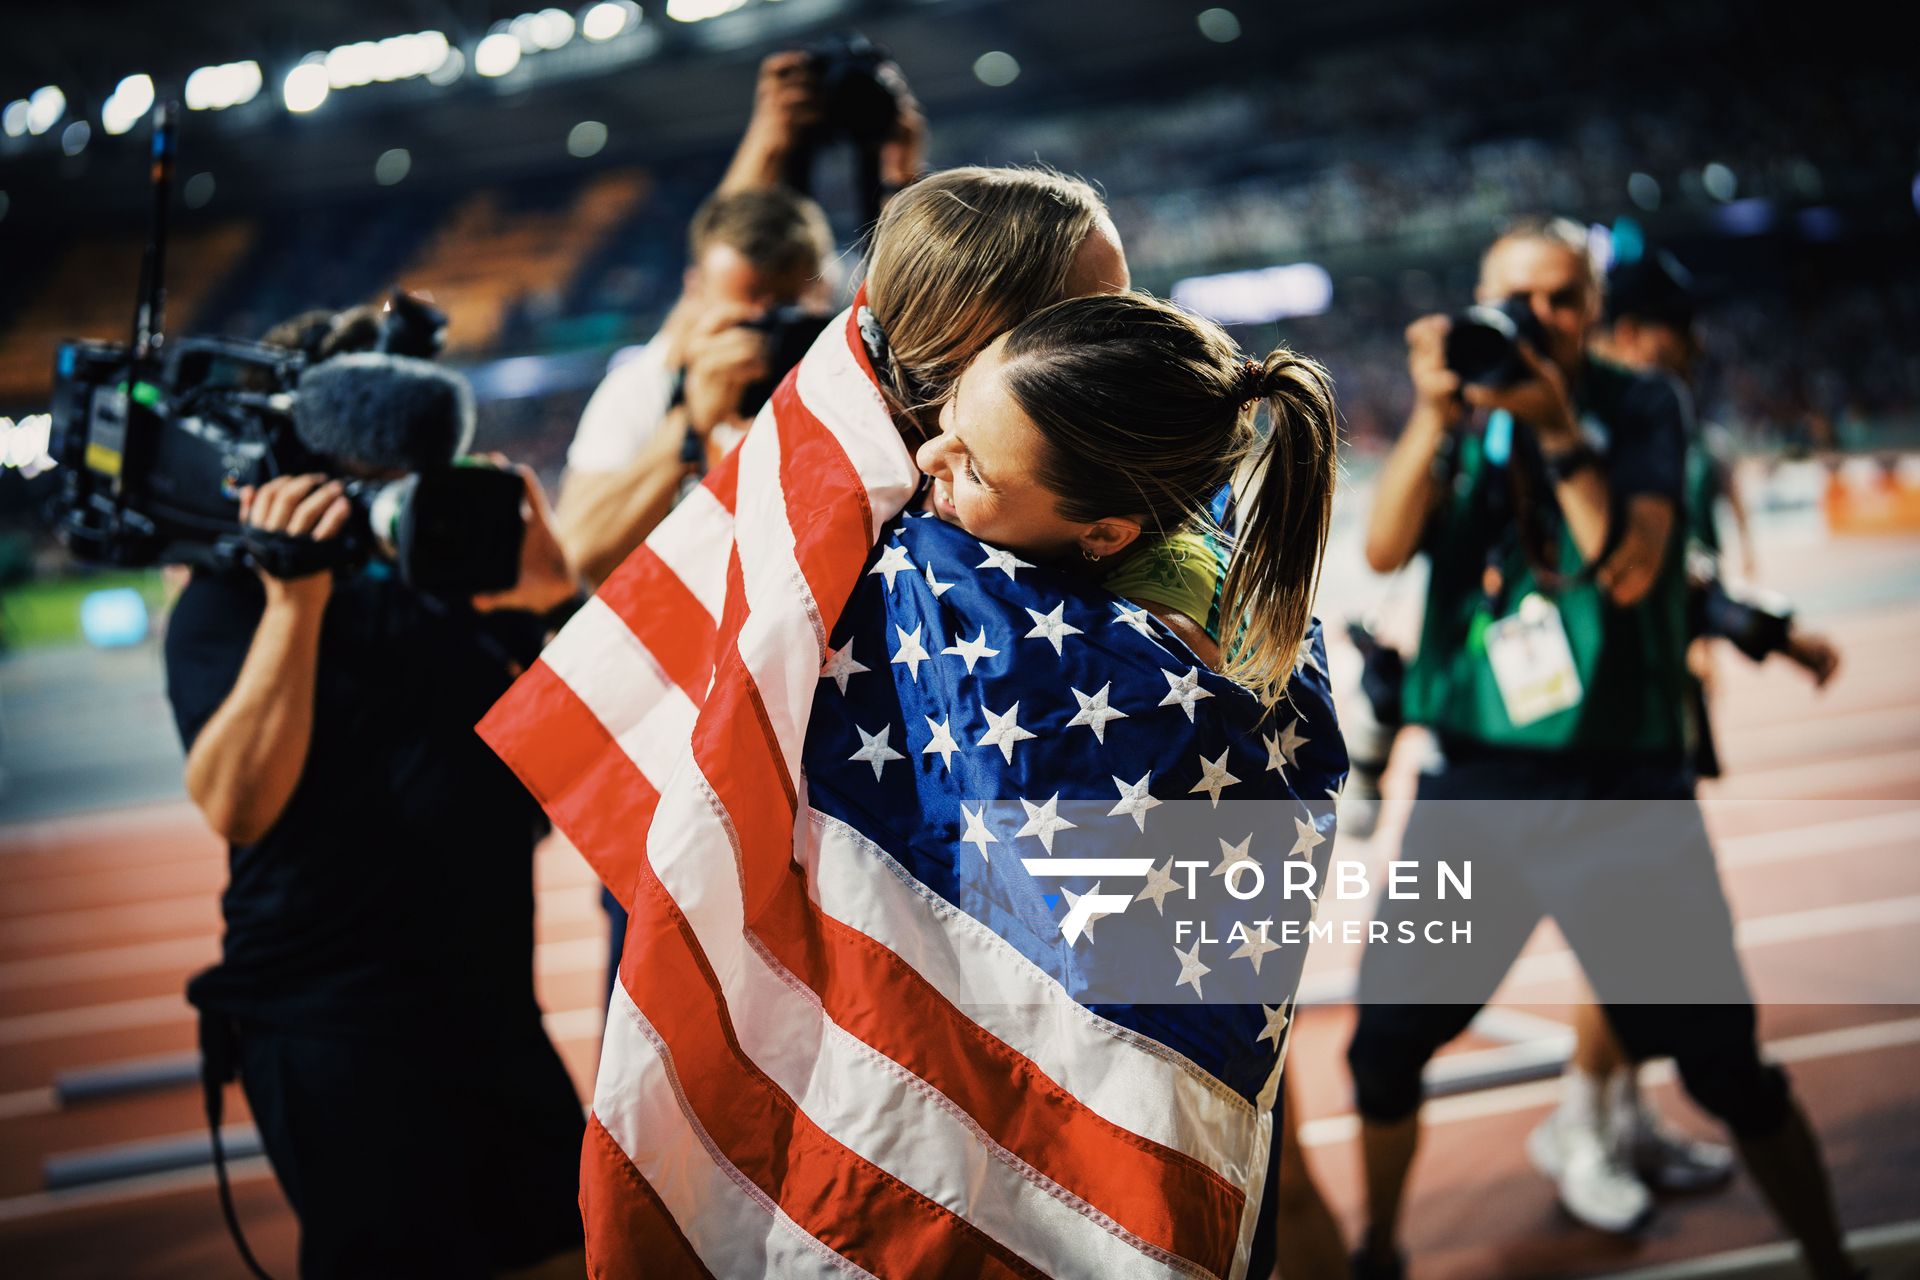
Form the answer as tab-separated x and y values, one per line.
375	991
1551	670
754	247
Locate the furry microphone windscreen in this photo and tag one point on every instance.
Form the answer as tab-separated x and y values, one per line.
384	412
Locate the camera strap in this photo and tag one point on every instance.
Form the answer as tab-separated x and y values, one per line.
219	1067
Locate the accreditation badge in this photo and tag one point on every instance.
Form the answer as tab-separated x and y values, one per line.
1532	661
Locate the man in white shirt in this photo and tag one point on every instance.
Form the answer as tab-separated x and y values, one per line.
750	251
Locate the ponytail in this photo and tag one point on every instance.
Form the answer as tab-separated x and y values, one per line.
1286	510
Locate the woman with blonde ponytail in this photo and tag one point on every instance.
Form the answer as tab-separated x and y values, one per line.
1098	433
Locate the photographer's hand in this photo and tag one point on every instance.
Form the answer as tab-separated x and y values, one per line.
306	506
903	156
1545	405
785	105
247	760
1405	492
546	581
723	360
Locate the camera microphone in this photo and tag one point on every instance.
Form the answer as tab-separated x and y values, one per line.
384	412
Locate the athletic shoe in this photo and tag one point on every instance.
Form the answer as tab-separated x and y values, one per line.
1668	1159
1595	1186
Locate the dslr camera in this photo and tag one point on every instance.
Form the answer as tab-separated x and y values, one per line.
1483	346
153	456
860	99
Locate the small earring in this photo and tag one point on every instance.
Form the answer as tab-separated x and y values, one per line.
1090	555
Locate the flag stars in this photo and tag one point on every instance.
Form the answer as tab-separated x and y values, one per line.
874	749
1254	949
1094	712
977	833
1052	628
1306	838
912	653
1277	1020
1214	778
1003	730
1043	821
1232	855
1191	970
892	562
971	651
1134	800
842	665
1135	618
1184	691
998	558
942	743
938	587
1283	748
1160	883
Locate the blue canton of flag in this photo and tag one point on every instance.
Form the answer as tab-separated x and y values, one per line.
1017	741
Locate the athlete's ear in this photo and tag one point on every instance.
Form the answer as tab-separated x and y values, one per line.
1109	537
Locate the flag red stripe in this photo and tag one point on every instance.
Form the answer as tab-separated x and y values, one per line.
824	492
620	1208
667	618
724	480
573	768
847	1203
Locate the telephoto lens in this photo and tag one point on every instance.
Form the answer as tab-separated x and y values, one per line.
1483	344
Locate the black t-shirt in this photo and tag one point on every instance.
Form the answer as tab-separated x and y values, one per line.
395	893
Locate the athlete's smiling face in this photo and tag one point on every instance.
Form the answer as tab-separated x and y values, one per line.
984	463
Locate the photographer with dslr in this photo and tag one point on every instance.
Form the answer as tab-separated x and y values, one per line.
755	293
375	992
1551	672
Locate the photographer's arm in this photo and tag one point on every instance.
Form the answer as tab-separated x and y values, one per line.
1544	404
604	515
1404	494
248	758
784	107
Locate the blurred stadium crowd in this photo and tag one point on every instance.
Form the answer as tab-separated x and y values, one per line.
1386	163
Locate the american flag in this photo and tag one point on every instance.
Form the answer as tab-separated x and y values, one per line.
814	746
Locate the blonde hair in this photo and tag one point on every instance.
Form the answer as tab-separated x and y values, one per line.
959	258
1147	410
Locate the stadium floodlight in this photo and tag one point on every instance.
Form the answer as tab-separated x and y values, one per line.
1644	190
74	138
496	55
45	106
305	87
128	104
1719	182
996	68
1219	25
451	68
550	28
608	19
392	166
1258	297
228	85
13	121
700	10
586	139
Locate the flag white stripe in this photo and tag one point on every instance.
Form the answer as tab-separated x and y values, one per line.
837	391
650	716
1135	1082
780	610
734	1226
693	543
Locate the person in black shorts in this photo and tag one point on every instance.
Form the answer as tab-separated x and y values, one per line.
1552	673
375	989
